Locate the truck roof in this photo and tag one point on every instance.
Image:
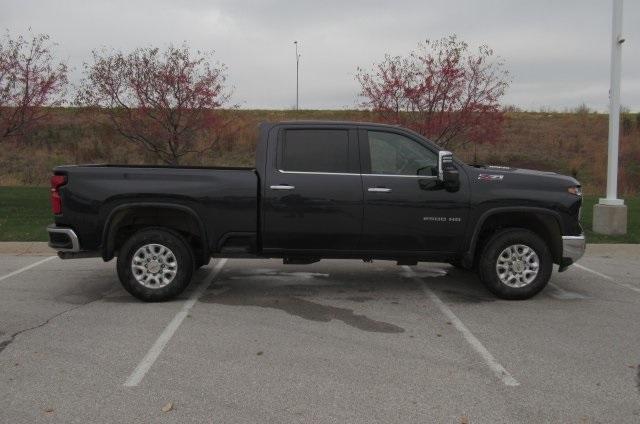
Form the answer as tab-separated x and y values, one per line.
330	122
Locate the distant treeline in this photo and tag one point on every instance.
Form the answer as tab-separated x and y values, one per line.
569	143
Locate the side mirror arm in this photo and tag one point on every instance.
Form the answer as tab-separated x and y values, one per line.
447	172
445	157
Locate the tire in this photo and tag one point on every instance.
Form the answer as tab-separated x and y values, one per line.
162	267
507	268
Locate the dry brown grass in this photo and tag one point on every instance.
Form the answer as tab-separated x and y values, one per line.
570	143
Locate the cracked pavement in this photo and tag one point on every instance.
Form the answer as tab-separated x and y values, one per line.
336	341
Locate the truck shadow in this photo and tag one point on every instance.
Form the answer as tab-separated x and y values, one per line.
313	292
460	286
77	292
305	294
306	291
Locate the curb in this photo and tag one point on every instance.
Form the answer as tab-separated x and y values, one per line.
30	248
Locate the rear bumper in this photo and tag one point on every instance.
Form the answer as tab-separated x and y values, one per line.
63	239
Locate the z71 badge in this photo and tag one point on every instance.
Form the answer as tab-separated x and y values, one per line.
490	177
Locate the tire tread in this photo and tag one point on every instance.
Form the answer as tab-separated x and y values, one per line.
178	245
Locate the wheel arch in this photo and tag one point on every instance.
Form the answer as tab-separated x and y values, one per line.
137	215
544	222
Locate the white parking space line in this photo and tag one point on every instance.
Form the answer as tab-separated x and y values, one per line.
26	268
489	359
562	294
606	277
152	355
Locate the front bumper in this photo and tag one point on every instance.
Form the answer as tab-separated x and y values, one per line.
572	249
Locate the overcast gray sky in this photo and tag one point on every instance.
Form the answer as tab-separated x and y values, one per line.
556	51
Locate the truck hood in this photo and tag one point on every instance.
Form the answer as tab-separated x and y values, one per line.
506	170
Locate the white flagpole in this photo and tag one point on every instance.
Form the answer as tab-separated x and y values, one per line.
614	107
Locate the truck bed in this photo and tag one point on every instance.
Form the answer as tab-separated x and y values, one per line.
225	199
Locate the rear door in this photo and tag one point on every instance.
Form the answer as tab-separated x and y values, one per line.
313	199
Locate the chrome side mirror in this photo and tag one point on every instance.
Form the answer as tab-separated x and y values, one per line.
447	171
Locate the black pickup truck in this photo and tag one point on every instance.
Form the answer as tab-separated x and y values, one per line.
321	190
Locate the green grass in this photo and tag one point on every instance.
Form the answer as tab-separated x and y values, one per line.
25	212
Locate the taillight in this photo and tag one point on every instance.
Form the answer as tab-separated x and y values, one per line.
57	181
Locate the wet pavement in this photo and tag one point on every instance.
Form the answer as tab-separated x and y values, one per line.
336	341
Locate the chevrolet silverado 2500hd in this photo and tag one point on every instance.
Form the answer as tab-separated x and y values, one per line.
321	190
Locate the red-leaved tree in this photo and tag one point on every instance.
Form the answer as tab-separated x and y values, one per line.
30	80
442	90
164	100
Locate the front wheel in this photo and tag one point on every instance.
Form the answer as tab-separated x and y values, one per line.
515	264
155	264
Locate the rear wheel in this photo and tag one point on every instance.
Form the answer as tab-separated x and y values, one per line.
515	264
155	264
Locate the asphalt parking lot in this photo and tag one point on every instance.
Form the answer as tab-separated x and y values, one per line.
255	341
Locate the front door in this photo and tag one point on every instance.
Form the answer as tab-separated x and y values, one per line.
313	196
406	208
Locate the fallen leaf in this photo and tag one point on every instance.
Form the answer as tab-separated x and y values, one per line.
168	407
259	353
439	335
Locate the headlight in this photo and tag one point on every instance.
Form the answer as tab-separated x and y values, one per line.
575	190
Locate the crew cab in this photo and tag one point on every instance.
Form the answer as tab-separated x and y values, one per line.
321	190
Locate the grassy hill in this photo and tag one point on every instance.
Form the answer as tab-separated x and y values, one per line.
569	143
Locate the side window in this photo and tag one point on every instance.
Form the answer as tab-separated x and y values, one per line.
394	154
315	150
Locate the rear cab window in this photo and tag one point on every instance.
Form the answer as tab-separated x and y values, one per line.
315	150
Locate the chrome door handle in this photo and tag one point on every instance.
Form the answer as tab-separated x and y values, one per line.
282	187
379	189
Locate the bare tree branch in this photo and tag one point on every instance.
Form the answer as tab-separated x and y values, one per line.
29	81
441	90
166	101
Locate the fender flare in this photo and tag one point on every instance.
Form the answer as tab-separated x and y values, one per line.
473	241
108	239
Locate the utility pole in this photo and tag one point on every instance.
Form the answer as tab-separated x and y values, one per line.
297	71
610	214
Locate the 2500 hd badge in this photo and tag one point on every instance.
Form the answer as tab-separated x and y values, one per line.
441	219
